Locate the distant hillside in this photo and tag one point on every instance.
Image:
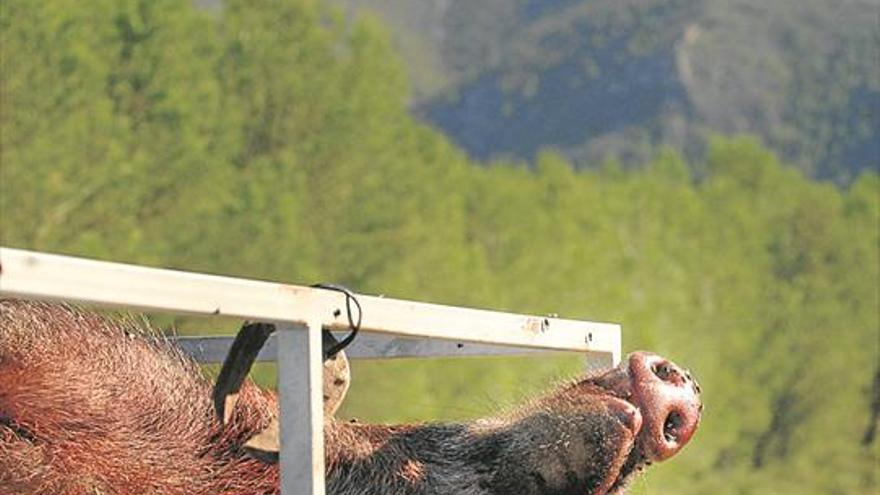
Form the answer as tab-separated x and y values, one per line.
618	77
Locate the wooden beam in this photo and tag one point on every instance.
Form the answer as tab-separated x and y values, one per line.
300	366
29	274
213	349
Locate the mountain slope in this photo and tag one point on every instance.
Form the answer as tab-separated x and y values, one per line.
617	78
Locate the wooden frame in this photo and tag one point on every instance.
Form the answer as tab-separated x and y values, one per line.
390	328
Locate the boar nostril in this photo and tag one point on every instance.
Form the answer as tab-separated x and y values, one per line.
670	427
663	371
668	373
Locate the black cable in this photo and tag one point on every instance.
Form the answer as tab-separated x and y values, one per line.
354	325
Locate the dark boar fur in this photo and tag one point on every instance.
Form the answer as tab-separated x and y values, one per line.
93	405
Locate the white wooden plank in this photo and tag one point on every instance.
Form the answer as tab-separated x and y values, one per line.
38	275
46	276
302	409
415	319
213	349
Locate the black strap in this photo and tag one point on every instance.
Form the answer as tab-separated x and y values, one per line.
241	356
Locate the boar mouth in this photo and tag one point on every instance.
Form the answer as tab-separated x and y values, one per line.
660	405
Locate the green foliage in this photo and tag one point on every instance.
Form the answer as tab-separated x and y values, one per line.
275	142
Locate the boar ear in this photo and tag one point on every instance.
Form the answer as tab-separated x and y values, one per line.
266	444
237	365
336	375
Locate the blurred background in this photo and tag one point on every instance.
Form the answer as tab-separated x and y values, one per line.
704	172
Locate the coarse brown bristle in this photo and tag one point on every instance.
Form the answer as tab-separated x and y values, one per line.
100	405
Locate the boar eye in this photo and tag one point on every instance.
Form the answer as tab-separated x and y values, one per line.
671	425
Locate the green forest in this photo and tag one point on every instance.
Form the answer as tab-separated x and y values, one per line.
274	140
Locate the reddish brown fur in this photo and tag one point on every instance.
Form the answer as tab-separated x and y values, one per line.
91	405
128	432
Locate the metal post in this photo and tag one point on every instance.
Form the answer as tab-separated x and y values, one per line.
300	367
